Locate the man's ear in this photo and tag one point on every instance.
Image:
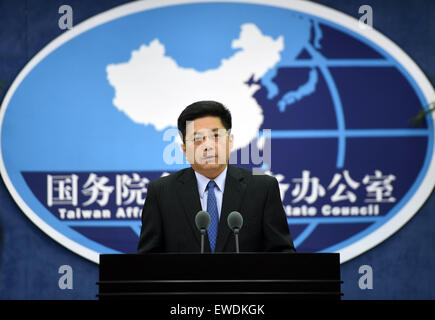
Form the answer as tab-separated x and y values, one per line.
183	147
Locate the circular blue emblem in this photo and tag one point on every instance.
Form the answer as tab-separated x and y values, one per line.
317	101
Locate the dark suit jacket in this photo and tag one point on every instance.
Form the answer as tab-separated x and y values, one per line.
172	202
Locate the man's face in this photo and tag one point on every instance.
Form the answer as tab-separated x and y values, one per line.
207	145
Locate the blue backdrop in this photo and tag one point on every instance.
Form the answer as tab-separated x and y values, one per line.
29	260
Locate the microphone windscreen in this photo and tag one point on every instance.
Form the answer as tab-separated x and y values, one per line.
202	220
235	220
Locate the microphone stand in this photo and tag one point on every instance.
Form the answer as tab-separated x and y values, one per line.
202	239
236	236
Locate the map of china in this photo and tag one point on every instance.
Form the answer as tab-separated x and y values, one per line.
152	89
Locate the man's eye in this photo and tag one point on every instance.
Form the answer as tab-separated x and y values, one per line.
198	138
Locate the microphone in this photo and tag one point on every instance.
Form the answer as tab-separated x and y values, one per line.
235	223
202	221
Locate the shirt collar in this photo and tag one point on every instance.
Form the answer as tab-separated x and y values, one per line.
203	182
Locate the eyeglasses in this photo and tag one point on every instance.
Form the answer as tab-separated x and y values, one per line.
213	136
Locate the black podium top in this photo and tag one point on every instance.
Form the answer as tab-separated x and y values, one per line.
154	266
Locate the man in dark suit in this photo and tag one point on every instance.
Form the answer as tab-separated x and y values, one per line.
210	184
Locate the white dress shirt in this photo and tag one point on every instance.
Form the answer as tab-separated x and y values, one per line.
219	191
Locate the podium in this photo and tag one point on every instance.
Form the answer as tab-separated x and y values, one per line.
185	277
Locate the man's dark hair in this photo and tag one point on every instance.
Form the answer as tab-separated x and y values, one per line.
203	109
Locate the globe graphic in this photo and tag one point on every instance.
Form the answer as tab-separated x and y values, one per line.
338	108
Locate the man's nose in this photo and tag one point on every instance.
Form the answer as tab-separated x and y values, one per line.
208	145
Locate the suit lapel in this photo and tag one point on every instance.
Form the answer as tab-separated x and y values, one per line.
235	187
187	189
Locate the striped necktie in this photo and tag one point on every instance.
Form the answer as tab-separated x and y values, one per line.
213	211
